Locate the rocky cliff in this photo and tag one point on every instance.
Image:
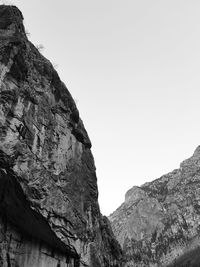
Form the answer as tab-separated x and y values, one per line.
159	222
49	212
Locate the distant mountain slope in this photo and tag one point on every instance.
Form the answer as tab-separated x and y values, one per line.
159	222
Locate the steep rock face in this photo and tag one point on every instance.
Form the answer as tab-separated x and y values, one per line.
159	222
49	213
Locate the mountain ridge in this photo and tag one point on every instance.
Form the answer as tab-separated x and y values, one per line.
159	221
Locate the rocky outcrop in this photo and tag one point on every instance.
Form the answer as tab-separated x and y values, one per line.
49	212
159	222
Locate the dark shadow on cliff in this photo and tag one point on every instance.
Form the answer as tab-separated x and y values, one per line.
15	210
189	259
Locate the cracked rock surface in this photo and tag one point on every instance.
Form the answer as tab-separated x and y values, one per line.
159	222
49	212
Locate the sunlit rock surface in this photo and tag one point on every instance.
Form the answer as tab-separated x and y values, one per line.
159	222
49	212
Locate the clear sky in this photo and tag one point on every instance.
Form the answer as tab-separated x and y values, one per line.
133	67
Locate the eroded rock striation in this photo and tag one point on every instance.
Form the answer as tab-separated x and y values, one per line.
159	222
49	212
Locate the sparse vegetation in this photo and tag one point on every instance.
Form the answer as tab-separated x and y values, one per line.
40	47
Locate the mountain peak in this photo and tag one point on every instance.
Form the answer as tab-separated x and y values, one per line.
134	194
11	17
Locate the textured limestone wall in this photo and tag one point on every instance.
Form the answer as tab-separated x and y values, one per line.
46	165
